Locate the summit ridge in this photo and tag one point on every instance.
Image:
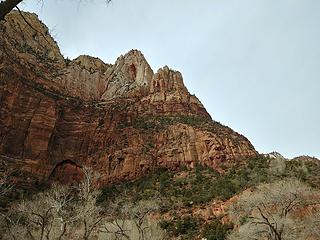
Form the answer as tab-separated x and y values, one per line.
122	119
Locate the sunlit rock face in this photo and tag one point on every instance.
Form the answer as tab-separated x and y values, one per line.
122	120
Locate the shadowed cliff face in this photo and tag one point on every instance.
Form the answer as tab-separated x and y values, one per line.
123	120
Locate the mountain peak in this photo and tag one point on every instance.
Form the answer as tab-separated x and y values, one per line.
274	155
167	79
90	63
123	120
27	33
134	52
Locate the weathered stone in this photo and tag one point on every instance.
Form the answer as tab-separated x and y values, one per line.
122	120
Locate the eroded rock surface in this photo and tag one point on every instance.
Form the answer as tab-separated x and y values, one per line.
123	120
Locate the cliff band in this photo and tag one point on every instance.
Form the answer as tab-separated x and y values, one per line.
123	120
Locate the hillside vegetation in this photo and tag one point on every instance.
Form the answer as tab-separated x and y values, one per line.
258	198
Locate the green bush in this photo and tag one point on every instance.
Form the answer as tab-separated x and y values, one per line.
216	230
185	226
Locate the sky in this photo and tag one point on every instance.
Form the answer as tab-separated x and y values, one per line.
254	64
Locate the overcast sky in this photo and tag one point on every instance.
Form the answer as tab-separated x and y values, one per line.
254	64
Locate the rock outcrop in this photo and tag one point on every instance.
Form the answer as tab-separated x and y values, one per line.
123	120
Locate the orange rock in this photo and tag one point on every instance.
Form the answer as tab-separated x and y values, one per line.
122	120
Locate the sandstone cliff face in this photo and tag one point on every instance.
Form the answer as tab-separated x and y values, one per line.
123	120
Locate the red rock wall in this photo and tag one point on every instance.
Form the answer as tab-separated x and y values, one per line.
122	120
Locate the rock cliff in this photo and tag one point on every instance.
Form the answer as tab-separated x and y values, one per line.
121	119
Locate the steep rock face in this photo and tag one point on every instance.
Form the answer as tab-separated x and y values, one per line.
85	77
130	77
168	95
27	48
57	116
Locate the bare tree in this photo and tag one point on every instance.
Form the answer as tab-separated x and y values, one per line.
6	186
129	220
5	176
62	212
271	211
118	229
6	6
36	218
87	212
139	214
117	221
42	217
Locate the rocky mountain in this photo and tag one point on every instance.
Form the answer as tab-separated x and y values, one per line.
121	119
274	155
189	176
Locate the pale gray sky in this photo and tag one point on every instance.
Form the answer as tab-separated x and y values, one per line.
254	64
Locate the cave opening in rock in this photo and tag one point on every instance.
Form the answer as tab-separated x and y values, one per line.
66	172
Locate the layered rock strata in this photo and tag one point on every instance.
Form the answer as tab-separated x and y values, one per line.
123	120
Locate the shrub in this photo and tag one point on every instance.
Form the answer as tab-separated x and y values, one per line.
216	230
185	226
